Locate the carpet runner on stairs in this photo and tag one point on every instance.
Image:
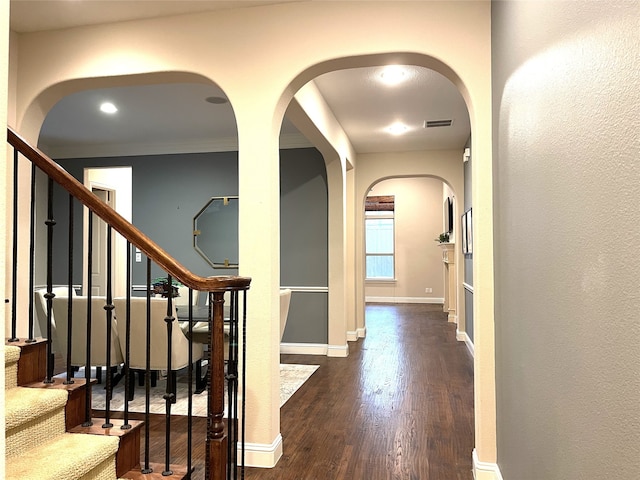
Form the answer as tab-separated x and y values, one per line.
37	447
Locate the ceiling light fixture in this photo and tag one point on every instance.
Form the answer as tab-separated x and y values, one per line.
216	100
108	107
397	128
393	75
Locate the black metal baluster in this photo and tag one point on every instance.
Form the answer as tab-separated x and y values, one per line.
147	375
69	380
190	387
127	344
234	306
244	383
109	315
170	395
14	271
50	223
87	367
32	260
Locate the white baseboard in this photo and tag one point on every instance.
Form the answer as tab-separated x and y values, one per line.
262	455
338	350
485	470
304	348
354	336
463	337
315	349
404	300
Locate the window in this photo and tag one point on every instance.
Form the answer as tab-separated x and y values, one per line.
379	238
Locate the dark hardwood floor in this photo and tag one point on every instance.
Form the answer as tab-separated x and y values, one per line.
400	407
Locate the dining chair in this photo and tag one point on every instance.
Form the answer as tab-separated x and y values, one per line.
40	304
285	302
158	352
183	297
79	332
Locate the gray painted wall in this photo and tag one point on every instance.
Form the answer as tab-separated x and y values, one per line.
168	190
303	243
567	186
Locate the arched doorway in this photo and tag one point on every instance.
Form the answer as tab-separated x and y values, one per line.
260	87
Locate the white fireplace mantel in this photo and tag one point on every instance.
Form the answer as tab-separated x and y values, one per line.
450	280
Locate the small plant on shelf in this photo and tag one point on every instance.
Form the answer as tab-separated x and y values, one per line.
443	237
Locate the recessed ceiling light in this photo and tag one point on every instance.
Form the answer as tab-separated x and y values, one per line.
108	107
393	75
397	128
216	100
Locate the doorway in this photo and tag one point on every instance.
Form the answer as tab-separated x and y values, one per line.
113	186
417	216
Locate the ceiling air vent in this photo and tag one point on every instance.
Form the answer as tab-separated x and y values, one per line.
437	123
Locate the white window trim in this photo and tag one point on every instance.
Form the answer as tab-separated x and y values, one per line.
377	214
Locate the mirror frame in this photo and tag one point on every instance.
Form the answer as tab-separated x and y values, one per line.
197	232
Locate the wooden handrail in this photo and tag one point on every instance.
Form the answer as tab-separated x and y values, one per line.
128	231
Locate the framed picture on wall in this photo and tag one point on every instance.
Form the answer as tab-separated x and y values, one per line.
469	227
448	215
463	231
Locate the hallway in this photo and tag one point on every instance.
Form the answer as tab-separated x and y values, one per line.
399	407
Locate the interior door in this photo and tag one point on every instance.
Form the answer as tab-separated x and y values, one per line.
113	186
99	252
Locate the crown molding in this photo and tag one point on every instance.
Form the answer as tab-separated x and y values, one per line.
96	150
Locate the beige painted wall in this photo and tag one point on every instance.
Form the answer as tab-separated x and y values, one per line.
444	166
6	113
228	47
418	259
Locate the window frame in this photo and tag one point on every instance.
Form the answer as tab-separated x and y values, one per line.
378	215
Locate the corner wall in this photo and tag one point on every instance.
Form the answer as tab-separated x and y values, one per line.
567	184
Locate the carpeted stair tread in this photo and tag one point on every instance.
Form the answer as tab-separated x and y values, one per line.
11	357
24	404
66	456
11	354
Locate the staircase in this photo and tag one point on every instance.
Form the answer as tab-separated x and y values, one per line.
50	430
38	445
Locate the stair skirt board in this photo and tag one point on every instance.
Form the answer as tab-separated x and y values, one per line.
69	455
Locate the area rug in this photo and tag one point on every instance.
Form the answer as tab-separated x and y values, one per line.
292	377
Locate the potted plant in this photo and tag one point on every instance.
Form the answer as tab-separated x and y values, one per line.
160	286
443	237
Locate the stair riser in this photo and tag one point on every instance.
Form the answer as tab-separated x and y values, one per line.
104	471
34	433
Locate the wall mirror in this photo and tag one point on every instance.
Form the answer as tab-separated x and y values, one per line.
215	232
